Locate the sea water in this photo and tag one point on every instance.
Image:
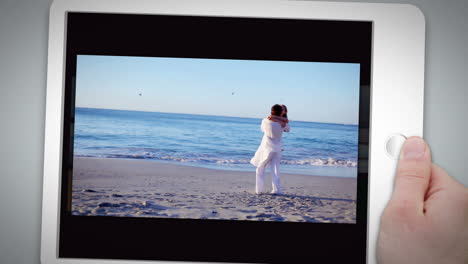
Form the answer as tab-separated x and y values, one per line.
217	142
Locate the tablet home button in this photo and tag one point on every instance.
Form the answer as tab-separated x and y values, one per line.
394	144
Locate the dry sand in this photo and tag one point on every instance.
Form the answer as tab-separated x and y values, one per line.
142	188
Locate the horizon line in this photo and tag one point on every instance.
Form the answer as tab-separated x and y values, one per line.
148	111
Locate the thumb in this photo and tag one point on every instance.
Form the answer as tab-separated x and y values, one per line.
412	176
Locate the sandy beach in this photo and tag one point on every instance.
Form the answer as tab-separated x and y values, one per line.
142	188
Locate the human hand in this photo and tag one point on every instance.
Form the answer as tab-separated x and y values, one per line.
281	120
426	219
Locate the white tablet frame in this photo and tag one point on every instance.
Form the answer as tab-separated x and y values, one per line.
397	86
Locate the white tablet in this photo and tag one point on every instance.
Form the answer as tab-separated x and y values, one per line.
225	131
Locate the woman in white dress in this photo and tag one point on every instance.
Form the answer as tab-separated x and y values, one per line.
269	151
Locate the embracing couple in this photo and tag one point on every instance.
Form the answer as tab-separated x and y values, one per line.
269	151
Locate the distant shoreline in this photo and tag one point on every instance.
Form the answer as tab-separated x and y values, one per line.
206	115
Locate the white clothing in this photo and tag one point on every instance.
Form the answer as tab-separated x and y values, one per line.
274	159
269	152
271	141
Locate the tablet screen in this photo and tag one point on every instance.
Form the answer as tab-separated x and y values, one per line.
184	132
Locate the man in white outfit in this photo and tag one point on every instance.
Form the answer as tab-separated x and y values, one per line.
269	151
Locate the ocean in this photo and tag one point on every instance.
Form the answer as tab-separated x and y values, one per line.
218	142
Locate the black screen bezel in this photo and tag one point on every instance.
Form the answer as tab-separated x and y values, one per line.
100	237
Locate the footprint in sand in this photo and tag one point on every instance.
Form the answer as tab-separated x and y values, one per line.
277	218
108	205
309	219
152	205
248	211
98	211
263	215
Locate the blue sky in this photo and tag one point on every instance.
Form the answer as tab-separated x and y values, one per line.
312	91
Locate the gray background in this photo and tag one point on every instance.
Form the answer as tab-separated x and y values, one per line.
23	64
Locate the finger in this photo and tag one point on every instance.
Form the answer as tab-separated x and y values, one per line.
441	179
412	176
443	188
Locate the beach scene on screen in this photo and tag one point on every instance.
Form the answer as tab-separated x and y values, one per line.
175	137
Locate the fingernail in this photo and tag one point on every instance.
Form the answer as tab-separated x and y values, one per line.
414	148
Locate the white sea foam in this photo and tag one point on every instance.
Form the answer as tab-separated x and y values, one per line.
219	161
